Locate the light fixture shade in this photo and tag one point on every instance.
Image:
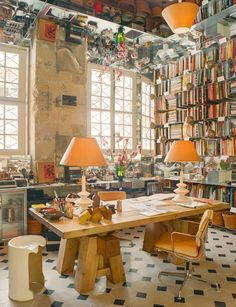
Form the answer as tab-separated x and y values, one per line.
83	152
180	16
182	151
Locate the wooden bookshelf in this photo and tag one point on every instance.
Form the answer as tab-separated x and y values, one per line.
203	92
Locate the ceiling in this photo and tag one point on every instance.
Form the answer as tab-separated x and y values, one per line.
142	51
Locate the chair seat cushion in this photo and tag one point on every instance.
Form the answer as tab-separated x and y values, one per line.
184	245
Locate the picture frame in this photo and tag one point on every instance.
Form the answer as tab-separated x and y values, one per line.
47	30
45	172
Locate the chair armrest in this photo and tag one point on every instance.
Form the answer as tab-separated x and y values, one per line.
180	235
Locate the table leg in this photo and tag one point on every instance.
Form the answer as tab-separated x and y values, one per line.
67	254
117	269
86	272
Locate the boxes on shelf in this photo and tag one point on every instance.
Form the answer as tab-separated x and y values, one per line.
220	176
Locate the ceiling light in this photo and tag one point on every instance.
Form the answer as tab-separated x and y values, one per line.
180	16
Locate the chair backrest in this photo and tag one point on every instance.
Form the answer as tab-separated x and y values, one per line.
203	227
111	195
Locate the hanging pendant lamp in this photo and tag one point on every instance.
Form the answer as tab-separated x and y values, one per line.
180	16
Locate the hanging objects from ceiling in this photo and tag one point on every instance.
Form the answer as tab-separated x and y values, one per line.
180	16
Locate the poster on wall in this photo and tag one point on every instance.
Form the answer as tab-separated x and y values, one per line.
45	172
47	30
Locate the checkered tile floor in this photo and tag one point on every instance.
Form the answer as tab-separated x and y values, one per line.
142	287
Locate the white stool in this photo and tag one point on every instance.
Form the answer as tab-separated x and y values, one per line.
25	266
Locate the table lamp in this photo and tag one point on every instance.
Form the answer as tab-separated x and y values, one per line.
83	152
182	152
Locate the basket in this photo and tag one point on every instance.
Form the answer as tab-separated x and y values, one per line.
229	219
218	218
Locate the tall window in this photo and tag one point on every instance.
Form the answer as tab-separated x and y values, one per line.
101	107
147	116
12	99
111	107
124	108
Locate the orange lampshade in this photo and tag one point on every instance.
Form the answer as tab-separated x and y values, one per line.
182	151
180	16
83	152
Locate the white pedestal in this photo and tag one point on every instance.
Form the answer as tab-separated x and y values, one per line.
181	191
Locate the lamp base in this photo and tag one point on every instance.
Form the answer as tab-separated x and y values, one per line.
84	202
180	192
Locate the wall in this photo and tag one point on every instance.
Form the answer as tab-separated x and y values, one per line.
55	69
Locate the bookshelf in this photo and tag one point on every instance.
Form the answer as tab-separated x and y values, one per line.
196	99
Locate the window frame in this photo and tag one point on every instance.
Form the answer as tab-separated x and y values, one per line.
21	101
149	82
112	72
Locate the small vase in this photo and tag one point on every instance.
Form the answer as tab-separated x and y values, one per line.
120	172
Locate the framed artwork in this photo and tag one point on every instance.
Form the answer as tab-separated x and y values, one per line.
47	30
45	172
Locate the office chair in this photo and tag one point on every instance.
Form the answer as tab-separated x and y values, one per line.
190	247
106	196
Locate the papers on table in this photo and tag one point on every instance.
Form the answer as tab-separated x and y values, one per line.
156	197
193	204
150	208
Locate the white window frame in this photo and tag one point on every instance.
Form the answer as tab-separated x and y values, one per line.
145	150
21	101
112	110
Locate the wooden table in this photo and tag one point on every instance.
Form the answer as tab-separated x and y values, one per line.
99	253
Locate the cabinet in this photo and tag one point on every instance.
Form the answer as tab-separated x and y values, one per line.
12	213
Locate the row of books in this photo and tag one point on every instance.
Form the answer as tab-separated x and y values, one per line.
210	192
205	147
202	94
218	73
219	147
221	129
202	59
200	112
225	108
210	8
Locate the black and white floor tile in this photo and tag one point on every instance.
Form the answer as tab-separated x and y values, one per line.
142	287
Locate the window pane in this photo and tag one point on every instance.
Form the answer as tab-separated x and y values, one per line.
12	75
147	117
2	58
1	126
1	141
119	93
96	89
2	92
11	90
11	127
11	142
1	111
95	129
106	130
11	112
12	60
128	82
106	90
95	117
106	103
118	105
2	74
95	102
128	94
106	118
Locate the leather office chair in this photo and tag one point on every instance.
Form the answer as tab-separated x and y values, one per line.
186	246
113	196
